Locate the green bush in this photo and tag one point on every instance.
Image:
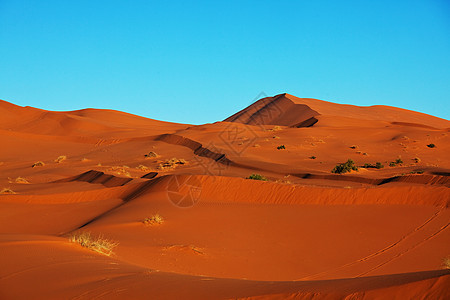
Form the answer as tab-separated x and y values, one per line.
398	161
257	177
417	172
431	145
281	147
377	165
348	166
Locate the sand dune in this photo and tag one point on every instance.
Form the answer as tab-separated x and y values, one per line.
288	110
183	222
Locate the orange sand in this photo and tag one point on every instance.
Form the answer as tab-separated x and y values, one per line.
305	233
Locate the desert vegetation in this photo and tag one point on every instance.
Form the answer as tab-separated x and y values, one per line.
431	146
172	163
346	167
151	154
257	177
21	180
377	165
446	262
97	244
38	164
60	159
275	128
281	147
143	168
156	219
396	162
417	172
6	191
123	170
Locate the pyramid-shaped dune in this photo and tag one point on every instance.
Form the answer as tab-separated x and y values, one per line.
288	110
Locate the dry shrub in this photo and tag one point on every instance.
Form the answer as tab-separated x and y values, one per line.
151	154
446	262
275	128
60	159
7	191
172	163
97	244
121	170
156	219
282	181
38	164
21	180
143	168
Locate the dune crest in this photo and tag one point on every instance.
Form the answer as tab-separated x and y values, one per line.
288	198
288	110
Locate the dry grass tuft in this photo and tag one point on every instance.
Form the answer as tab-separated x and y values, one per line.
172	163
156	219
143	168
38	164
97	244
7	191
60	159
121	170
21	180
151	154
275	128
283	181
446	262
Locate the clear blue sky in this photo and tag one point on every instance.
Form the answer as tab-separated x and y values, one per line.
198	62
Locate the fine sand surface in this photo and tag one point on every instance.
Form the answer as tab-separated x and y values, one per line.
305	233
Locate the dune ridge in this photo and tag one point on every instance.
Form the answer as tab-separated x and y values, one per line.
288	110
300	232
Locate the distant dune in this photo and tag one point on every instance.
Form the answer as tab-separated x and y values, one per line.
288	110
102	204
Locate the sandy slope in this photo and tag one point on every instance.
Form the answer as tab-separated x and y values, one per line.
306	233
